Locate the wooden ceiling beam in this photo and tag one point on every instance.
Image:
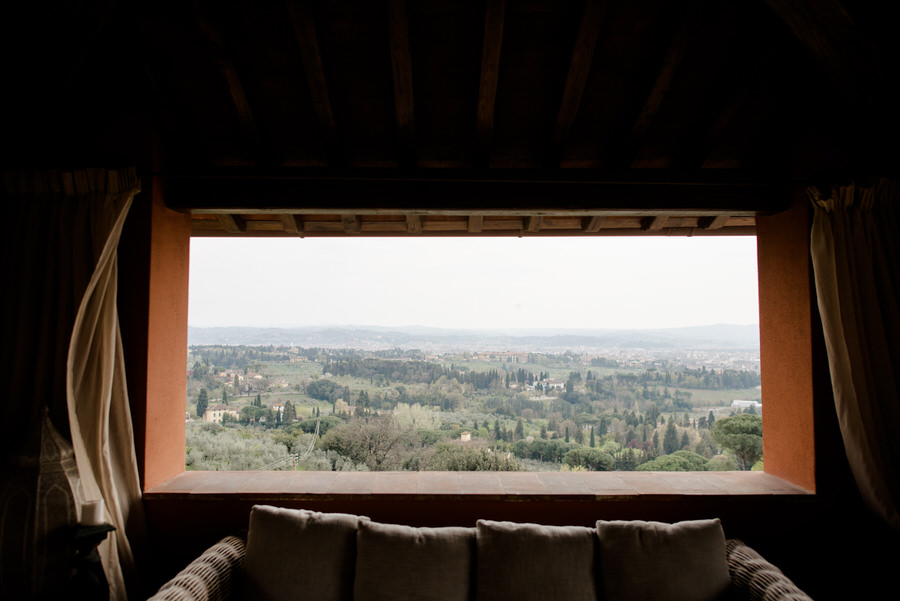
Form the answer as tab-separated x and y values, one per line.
487	86
413	224
847	55
712	223
576	79
293	224
401	67
533	223
231	223
688	29
304	28
731	138
654	223
219	51
177	130
352	224
475	224
593	224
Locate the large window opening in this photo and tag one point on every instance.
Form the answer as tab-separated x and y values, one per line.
562	354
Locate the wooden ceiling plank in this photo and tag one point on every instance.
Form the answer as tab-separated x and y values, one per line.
576	79
232	224
476	224
304	27
401	67
413	224
490	71
219	51
445	225
688	29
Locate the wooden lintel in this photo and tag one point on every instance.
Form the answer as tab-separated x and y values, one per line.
576	79
293	224
476	224
490	69
441	193
351	223
593	224
401	67
654	223
308	43
533	223
231	223
413	224
712	223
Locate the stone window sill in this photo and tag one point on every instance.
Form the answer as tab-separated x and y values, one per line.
493	486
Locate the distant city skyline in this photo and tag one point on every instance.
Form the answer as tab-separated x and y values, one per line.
596	282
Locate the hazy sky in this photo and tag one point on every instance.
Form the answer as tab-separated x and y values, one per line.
597	282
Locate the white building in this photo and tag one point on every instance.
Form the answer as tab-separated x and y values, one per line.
738	404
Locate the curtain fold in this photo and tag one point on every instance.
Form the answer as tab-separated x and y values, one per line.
855	248
62	321
97	396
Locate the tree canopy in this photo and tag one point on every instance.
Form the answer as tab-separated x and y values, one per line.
742	435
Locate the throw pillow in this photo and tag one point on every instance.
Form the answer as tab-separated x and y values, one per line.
525	562
295	553
684	561
403	563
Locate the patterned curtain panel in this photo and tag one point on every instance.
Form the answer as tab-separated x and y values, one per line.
62	343
855	247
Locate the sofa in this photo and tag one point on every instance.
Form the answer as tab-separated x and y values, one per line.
299	554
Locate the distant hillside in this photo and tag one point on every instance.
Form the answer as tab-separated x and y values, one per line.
710	337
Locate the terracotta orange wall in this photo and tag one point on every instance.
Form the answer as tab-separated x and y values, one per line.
163	245
786	344
154	264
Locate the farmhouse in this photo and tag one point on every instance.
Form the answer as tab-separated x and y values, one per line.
217	412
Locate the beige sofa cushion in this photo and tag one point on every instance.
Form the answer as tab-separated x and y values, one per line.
657	561
295	552
525	562
402	563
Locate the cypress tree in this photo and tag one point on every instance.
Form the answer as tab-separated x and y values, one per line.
670	440
202	402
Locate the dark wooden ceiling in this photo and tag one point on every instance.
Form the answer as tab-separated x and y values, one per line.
336	117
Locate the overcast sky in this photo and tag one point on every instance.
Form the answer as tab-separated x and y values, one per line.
597	282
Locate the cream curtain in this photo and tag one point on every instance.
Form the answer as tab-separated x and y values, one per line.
855	245
63	322
96	394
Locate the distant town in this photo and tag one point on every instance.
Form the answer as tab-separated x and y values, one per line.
428	399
